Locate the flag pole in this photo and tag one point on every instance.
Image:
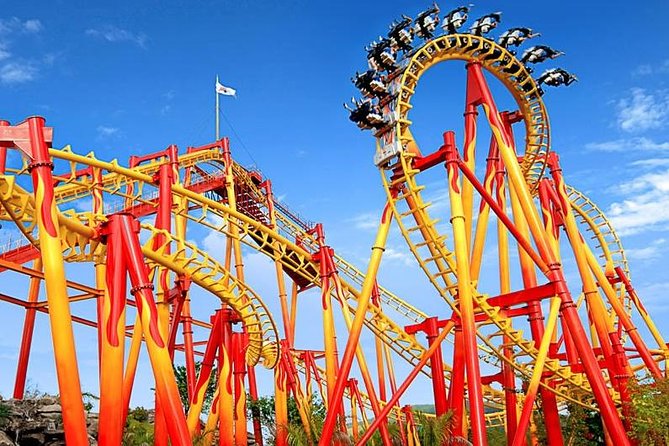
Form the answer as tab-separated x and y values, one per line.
217	111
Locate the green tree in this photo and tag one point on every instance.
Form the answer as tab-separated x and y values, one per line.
433	430
138	430
650	408
182	384
266	410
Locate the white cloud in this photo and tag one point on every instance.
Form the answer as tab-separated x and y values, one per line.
393	255
646	206
651	163
15	24
653	295
652	251
32	26
114	34
648	69
106	131
628	144
4	51
17	72
642	111
643	70
367	220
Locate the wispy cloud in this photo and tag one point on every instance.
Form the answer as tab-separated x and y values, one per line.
17	72
14	24
642	110
654	295
118	35
651	163
649	69
645	204
366	220
4	51
628	144
32	26
168	96
394	255
105	131
650	252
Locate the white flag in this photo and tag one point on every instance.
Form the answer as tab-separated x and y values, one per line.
222	89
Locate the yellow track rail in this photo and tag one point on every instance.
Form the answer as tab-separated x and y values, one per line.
79	245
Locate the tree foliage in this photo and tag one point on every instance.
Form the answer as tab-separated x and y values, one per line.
433	430
266	409
650	408
138	431
182	384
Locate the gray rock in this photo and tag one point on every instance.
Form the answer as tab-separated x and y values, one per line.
50	408
5	440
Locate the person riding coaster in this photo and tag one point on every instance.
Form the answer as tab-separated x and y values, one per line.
401	35
371	84
485	24
556	77
455	19
365	115
539	53
515	37
426	22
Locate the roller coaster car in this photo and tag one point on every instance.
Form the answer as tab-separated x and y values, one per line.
370	84
380	56
516	36
401	35
539	53
365	115
455	19
485	24
556	77
426	22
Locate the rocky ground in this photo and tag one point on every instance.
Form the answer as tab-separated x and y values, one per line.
34	422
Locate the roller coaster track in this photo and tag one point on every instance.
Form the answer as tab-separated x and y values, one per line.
294	257
80	244
416	223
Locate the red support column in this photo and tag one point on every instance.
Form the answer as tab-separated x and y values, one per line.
255	412
189	351
554	273
335	395
225	381
27	336
405	385
31	137
280	405
465	299
165	179
126	226
112	329
456	394
207	365
239	371
430	327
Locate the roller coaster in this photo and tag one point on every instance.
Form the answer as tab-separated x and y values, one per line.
526	339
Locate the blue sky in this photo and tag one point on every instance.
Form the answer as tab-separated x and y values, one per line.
135	77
